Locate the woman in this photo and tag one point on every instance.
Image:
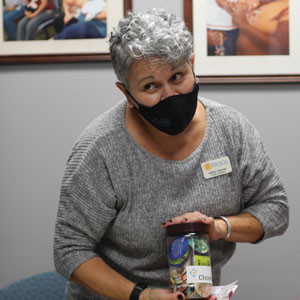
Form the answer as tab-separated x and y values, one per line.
36	13
137	169
263	26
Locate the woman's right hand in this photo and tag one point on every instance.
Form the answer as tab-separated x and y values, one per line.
162	294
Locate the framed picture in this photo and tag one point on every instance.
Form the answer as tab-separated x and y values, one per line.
79	35
245	41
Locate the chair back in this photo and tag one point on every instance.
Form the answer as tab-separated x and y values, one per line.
46	286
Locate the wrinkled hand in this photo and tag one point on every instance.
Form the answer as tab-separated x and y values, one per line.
237	11
162	294
223	3
214	232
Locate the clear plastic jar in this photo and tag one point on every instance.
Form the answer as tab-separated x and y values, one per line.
189	259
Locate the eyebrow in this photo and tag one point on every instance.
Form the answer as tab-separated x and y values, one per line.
146	78
175	66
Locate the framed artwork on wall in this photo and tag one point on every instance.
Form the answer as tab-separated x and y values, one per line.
245	41
73	30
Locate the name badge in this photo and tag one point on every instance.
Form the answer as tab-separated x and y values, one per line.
216	167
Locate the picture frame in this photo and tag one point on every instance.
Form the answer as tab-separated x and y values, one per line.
246	68
63	51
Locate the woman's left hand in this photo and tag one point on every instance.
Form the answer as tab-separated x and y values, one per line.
216	230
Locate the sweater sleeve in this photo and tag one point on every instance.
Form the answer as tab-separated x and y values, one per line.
263	194
86	208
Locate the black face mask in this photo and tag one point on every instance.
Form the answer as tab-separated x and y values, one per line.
173	114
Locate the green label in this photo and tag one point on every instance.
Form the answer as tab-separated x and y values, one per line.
200	260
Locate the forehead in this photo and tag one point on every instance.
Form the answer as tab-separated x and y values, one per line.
153	65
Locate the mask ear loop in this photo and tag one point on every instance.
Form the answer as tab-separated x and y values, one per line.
139	104
132	106
132	98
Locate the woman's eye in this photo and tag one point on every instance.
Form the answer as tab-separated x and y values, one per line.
176	77
149	86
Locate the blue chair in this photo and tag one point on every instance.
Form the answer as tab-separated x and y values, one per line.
45	286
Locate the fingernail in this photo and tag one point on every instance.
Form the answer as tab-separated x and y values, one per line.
179	297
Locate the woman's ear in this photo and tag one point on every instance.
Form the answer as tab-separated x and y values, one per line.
123	89
192	59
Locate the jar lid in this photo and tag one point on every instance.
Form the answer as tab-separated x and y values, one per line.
186	228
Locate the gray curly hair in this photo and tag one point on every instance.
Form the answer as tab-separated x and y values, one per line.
155	33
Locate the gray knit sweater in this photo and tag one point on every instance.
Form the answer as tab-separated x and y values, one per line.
115	195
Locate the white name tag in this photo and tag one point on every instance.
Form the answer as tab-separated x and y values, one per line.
216	167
